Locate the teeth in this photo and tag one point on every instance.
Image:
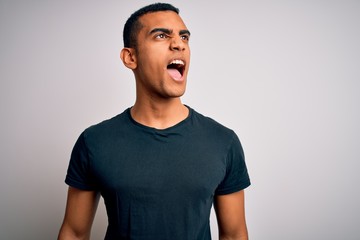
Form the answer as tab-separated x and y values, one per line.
176	61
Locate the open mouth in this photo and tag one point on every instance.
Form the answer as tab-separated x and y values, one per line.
176	69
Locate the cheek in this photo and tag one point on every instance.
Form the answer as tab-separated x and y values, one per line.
152	59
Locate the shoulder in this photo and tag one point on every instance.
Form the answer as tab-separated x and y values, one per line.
206	123
211	131
109	126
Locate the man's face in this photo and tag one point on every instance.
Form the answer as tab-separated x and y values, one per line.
163	55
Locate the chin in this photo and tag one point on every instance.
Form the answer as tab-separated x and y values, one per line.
176	94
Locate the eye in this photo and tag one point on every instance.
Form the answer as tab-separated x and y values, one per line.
161	36
185	37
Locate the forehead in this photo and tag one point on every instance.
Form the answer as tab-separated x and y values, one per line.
162	19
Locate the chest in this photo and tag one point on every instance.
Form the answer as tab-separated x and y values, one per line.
159	169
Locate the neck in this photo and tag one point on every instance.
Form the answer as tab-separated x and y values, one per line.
159	114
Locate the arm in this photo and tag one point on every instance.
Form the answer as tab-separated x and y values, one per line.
79	214
230	213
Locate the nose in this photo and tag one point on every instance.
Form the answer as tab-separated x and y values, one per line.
177	44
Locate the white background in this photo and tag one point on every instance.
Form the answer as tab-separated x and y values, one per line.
285	75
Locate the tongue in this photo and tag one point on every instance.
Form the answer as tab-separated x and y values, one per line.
174	73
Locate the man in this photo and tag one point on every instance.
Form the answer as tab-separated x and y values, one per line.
159	165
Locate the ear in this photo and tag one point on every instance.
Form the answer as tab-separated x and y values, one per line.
128	57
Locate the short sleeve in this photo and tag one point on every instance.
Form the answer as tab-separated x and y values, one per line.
79	173
236	177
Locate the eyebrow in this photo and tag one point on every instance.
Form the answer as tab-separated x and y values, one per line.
169	31
182	32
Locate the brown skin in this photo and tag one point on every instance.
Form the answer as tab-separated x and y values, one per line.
79	214
163	38
230	213
158	95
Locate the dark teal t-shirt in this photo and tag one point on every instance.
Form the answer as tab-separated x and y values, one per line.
158	184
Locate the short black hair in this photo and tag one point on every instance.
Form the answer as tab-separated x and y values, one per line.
133	25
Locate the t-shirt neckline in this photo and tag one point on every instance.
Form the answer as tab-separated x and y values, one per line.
152	129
